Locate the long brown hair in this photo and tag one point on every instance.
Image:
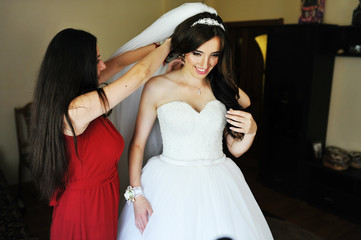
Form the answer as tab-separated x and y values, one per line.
69	69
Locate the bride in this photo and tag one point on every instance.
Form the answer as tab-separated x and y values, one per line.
124	114
192	190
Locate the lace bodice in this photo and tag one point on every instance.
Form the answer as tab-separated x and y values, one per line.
190	135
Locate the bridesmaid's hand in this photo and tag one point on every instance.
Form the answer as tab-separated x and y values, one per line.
142	209
242	122
176	64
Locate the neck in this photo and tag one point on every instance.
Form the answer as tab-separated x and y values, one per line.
192	81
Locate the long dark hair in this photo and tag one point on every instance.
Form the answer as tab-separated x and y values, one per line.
188	37
69	69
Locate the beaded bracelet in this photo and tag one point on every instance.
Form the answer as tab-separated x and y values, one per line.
131	193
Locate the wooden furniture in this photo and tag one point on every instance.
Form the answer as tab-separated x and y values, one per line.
336	191
22	121
299	71
296	102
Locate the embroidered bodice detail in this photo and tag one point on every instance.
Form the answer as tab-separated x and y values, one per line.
188	134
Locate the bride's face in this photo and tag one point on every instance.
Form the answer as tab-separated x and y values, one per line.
201	61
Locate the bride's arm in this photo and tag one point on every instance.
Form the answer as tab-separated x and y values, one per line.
115	64
145	120
85	108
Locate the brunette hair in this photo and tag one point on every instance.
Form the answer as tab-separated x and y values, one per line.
69	69
187	37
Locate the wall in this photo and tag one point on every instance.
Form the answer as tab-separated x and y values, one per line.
26	28
339	12
232	10
336	11
344	125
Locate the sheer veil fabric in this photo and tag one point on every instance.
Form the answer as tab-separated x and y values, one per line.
124	115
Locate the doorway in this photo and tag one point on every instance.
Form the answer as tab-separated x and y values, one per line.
249	43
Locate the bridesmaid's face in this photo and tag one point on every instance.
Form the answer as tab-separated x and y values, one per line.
100	64
201	61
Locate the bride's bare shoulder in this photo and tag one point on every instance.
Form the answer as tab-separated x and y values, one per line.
161	82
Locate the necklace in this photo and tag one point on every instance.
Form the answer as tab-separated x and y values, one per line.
198	89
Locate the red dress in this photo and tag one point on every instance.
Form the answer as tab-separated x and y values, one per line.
88	209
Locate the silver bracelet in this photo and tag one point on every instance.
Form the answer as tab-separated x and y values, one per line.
131	193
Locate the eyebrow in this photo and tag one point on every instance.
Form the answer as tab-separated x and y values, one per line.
203	52
98	56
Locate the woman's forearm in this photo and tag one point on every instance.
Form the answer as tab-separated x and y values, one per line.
137	75
135	163
236	147
87	107
116	64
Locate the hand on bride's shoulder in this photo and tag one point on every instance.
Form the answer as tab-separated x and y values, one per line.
176	64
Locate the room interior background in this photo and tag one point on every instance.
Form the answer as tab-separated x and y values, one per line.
26	27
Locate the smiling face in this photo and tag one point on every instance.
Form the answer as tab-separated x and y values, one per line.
201	61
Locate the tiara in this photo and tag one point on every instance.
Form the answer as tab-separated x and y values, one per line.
210	22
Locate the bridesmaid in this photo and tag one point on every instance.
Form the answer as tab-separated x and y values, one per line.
75	148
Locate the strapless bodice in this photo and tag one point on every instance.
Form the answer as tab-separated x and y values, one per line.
191	135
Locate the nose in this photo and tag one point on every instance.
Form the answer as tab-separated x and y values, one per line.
204	62
102	66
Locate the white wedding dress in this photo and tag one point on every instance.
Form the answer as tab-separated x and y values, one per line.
195	191
125	113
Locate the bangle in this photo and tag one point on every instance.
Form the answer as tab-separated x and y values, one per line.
158	44
132	192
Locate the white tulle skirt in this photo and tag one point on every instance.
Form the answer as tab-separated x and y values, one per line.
201	200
